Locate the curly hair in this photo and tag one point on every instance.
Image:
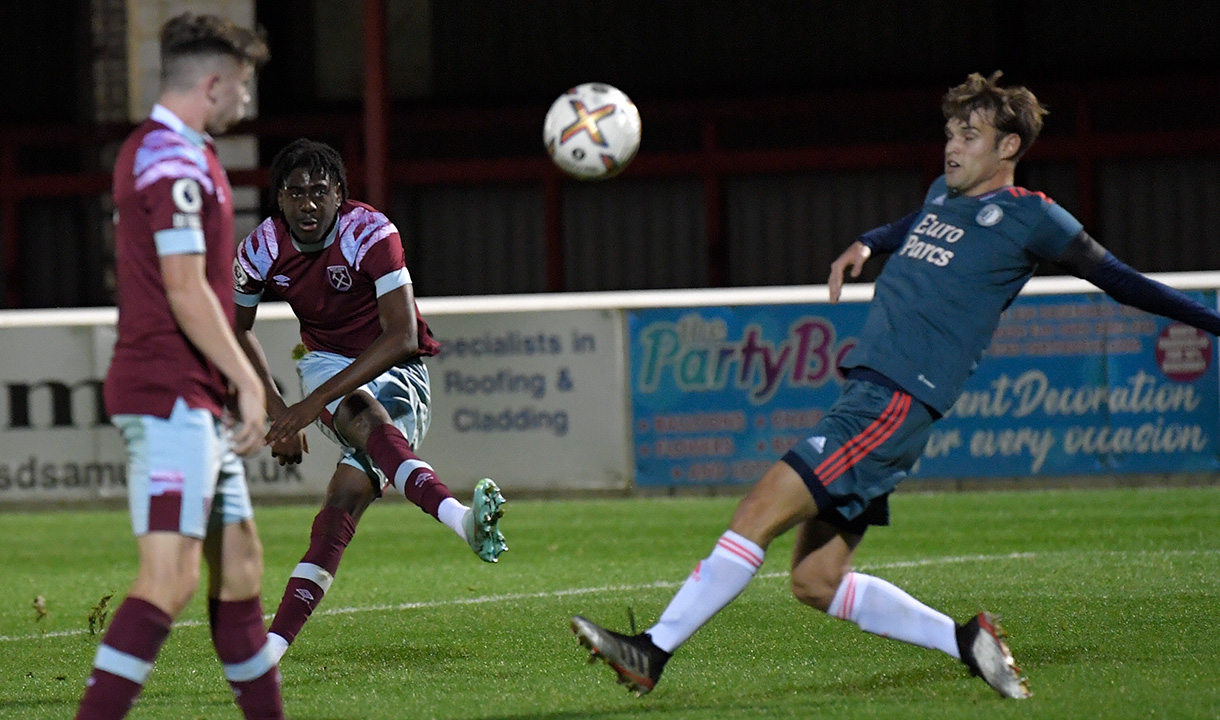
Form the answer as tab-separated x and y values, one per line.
1013	110
185	38
316	157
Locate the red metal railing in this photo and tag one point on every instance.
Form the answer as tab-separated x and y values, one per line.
708	158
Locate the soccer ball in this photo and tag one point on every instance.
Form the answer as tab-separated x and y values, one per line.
592	131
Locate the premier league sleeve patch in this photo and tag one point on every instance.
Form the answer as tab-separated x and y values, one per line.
186	195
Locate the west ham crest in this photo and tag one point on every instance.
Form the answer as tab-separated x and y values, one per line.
340	278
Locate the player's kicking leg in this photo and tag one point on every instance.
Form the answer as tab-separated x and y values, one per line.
367	425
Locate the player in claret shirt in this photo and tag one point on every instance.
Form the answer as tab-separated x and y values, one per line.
339	264
956	263
174	358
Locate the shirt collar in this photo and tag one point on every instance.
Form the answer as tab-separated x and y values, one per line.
166	117
993	193
953	195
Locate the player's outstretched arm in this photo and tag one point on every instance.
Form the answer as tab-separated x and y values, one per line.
292	450
852	260
1087	259
198	313
885	239
398	342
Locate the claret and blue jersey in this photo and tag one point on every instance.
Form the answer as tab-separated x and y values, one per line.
953	270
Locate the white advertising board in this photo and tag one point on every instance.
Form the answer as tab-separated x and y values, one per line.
56	443
531	390
535	400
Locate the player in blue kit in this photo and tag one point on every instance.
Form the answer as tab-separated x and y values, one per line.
955	265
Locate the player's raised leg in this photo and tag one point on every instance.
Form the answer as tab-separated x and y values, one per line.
367	425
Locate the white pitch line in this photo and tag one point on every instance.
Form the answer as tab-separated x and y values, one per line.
659	584
514	597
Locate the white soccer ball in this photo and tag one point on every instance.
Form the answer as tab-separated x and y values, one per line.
592	131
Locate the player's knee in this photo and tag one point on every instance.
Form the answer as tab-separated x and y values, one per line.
242	573
169	588
814	592
352	497
350	406
359	405
357	415
773	506
816	586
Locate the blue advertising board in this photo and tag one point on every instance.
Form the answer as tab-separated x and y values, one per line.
1071	385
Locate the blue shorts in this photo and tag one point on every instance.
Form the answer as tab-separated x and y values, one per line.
403	390
859	451
182	475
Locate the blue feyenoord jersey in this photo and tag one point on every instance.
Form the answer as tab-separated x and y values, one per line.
938	300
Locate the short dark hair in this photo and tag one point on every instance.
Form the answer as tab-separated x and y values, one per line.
316	157
1012	109
188	36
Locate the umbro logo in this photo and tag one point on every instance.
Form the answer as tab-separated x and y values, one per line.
281	280
304	595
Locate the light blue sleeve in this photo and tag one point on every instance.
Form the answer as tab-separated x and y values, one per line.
179	241
246	299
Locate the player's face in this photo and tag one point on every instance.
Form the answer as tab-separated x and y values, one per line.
310	202
229	93
975	162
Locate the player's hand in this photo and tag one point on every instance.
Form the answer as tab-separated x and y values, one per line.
852	259
289	452
250	419
294	420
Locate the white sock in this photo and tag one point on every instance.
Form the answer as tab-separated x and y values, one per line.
278	644
711	585
452	513
882	608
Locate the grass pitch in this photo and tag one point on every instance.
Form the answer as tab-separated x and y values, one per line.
1111	598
